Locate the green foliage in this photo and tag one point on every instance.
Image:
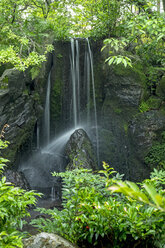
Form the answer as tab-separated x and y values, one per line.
157	180
156	155
13	208
91	214
117	47
143	107
143	35
151	103
29	27
148	196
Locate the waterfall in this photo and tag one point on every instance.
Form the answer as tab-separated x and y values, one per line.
81	93
88	86
73	79
38	136
94	97
53	193
47	112
78	79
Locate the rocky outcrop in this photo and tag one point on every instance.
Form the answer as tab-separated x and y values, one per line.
21	106
47	240
80	152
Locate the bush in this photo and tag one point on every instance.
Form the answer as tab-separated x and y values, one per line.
13	208
91	214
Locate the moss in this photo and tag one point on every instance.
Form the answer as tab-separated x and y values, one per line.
152	103
136	72
156	156
4	83
26	92
160	90
117	110
23	136
56	100
126	128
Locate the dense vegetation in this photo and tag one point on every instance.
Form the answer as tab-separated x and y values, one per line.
93	215
14	203
29	27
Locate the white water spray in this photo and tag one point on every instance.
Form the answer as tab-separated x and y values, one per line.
56	146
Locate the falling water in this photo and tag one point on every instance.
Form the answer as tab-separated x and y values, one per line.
73	77
53	193
47	112
78	79
94	98
38	136
51	158
56	146
88	87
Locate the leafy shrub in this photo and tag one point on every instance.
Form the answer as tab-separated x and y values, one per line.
13	207
156	155
144	107
91	214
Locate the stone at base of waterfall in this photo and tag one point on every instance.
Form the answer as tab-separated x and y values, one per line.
80	152
47	240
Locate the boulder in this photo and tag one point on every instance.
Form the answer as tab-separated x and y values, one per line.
47	240
79	151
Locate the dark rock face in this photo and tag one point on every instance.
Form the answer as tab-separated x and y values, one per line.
80	152
18	111
21	106
16	178
143	129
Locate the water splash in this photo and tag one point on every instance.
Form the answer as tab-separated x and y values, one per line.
57	145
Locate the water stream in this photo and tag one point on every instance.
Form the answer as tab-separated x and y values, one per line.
47	112
38	136
94	96
73	79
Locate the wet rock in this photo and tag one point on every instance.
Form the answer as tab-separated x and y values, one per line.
16	178
18	110
80	152
47	240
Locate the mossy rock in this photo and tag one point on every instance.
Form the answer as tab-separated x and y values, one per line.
79	151
160	90
136	72
153	103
